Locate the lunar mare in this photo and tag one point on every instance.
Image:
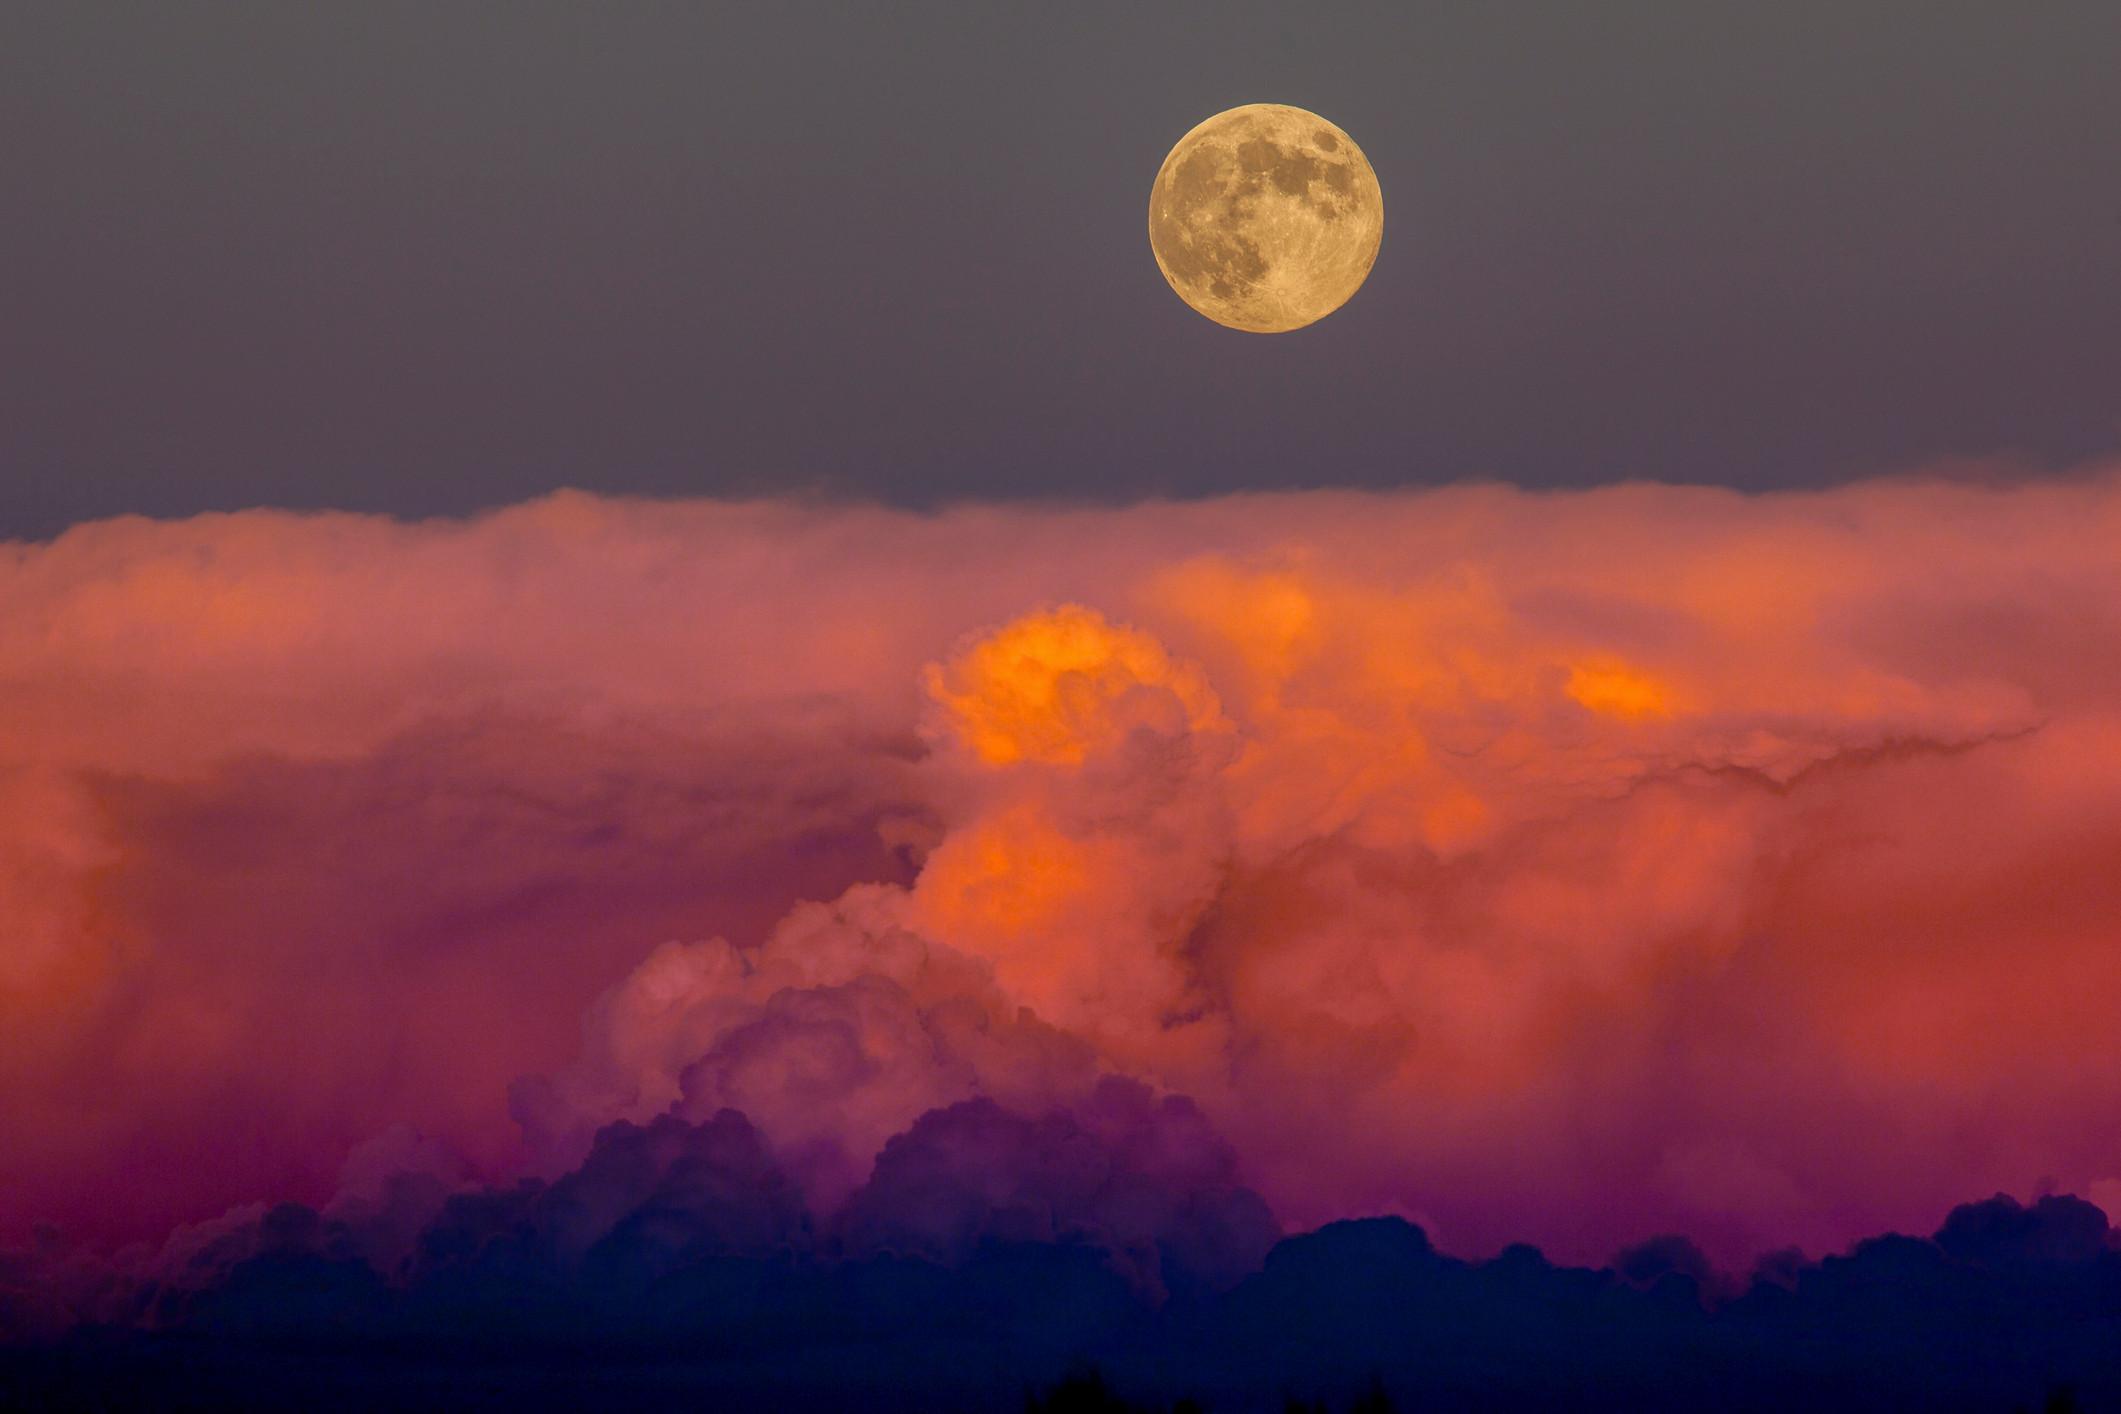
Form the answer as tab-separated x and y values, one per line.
1266	218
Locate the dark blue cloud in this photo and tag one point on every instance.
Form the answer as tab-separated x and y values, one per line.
991	1252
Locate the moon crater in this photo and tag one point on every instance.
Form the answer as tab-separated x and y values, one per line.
1266	218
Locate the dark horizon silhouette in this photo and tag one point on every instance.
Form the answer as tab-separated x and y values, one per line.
675	1266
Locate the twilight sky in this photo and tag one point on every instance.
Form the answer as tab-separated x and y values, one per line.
423	259
640	637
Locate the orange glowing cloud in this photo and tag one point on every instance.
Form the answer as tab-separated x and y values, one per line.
1062	686
1558	867
1618	690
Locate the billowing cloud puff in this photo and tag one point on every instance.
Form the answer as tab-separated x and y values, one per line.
1067	687
836	1033
1147	1181
669	1191
1738	867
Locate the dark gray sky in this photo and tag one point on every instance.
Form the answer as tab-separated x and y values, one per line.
428	257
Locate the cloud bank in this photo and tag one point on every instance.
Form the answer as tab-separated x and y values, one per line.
1554	868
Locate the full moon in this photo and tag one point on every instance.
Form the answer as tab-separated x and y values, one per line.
1266	218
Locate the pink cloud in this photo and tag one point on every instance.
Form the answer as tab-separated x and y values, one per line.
1559	867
